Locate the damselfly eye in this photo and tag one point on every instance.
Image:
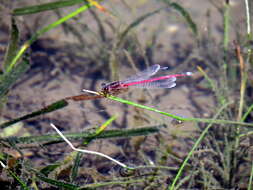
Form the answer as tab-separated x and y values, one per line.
103	85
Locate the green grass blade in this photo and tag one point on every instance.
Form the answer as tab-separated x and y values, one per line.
250	185
49	168
196	144
52	107
208	79
226	20
13	44
9	78
144	131
214	121
56	183
99	130
22	183
45	7
136	23
74	170
27	44
186	16
246	114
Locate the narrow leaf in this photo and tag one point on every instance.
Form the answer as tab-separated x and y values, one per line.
52	107
22	183
99	130
49	168
136	23
45	7
13	44
56	183
186	15
36	35
84	135
9	78
74	171
97	5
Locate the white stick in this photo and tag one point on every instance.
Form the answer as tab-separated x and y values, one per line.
88	151
247	17
2	164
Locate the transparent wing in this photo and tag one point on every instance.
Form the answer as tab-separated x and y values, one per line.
166	83
143	75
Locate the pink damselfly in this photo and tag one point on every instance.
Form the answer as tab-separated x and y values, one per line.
143	80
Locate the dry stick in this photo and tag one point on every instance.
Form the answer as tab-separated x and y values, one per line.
243	80
88	151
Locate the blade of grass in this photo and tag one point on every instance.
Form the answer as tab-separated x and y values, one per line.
9	78
20	181
196	144
186	16
45	7
74	170
183	13
27	44
136	23
49	168
226	20
52	107
99	130
110	183
97	5
210	81
243	81
55	138
213	121
56	183
251	178
13	44
104	126
247	113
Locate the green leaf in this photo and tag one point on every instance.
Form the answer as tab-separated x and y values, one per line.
49	168
136	23
83	135
37	34
56	183
187	17
203	120
22	183
74	171
13	44
52	107
9	78
45	7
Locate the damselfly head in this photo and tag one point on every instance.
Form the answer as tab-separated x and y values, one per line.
103	84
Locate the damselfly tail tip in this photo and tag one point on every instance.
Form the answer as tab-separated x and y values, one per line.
164	68
188	73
